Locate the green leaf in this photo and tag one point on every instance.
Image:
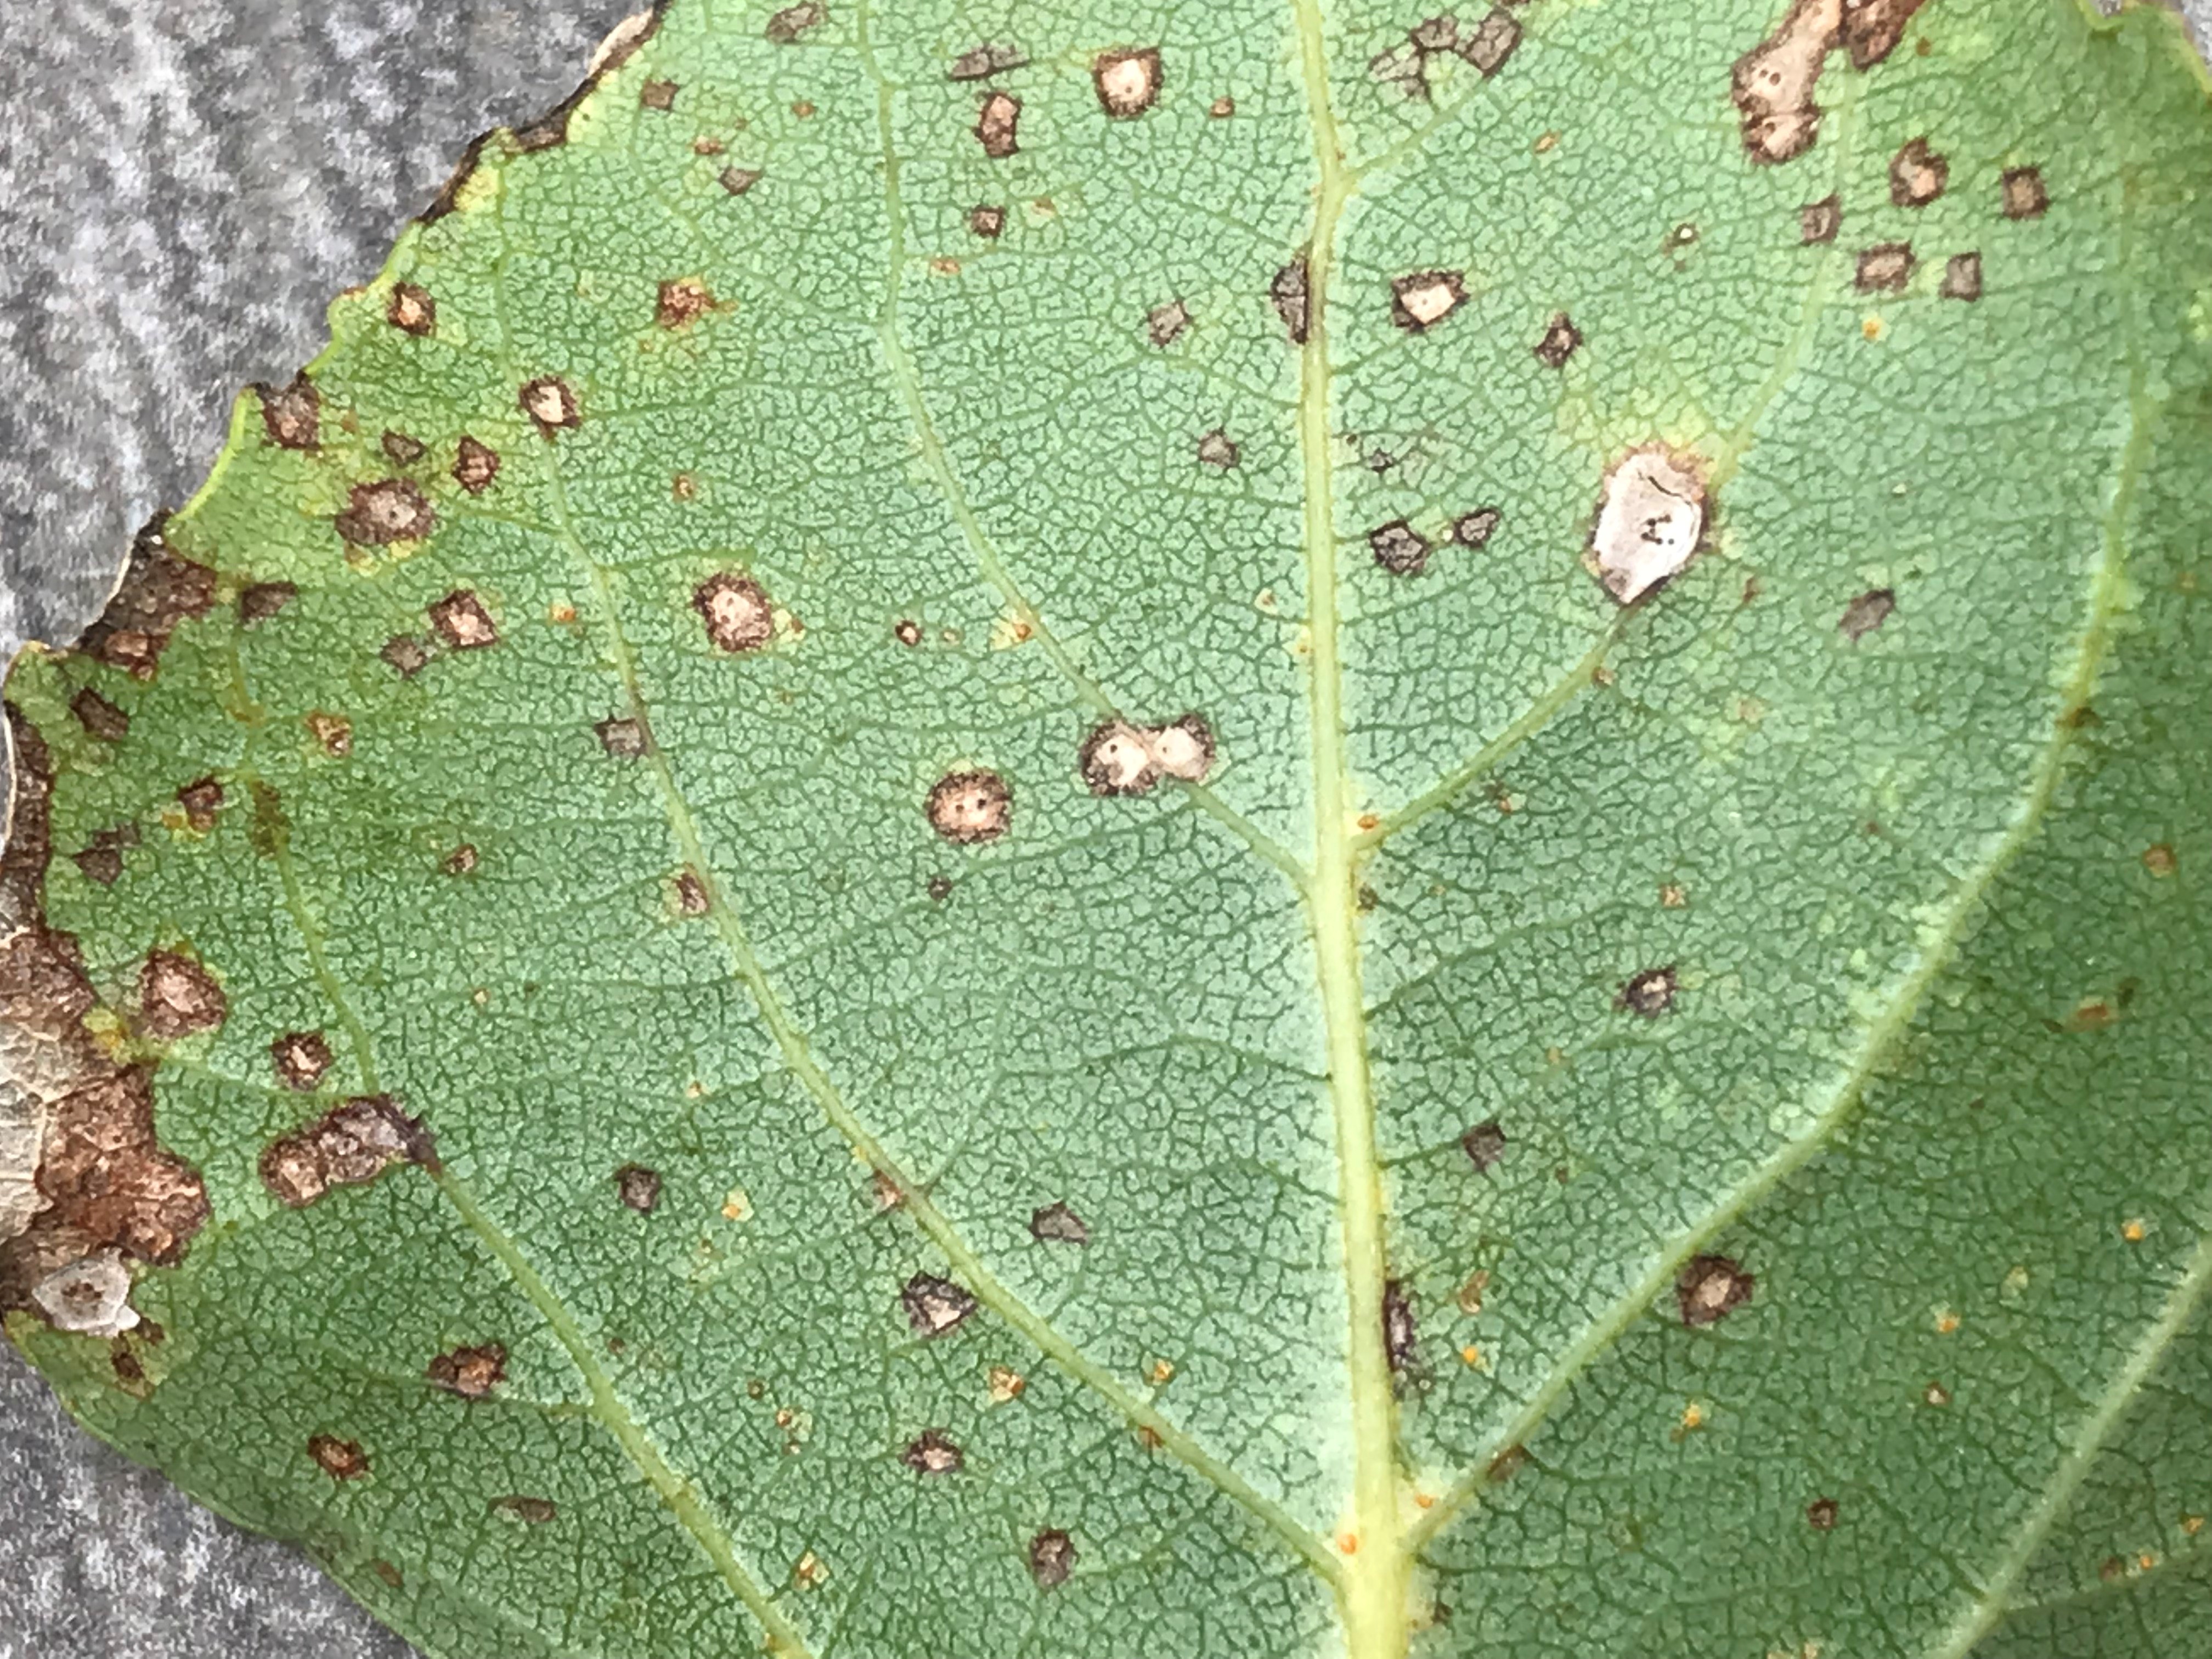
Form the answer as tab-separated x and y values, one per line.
975	844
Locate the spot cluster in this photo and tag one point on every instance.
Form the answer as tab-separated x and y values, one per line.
1118	758
1485	45
178	998
470	1372
349	1146
935	1306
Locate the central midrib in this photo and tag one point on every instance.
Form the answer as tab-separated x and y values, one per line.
1372	1588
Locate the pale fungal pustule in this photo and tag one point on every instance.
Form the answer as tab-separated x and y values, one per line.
90	1298
1650	522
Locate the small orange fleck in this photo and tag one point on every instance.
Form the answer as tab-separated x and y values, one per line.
1163	1370
2160	860
1672	897
2133	1229
803	110
1874	328
1425	1500
1149	1438
945	267
561	615
2193	1524
686	486
1548	142
1348	1542
2145	1561
1693	1415
1946	1322
1471	1355
1370	821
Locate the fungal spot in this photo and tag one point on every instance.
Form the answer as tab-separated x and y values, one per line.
1651	521
1821	1515
471	1373
549	402
102	860
534	1511
691	898
1051	1558
411	310
884	1192
100	717
970	807
1127	82
658	95
158	591
932	1452
1118	758
1710	1288
996	124
620	736
333	733
1426	297
1184	748
177	998
391	510
2160	860
1288	294
1399	548
736	611
292	414
1476	528
1650	993
341	1460
682	303
1819	221
1493	41
1507	1464
301	1058
201	801
1216	449
1484	1145
1672	897
2023	193
1056	1223
810	1571
1401	1339
1003	1384
405	655
934	1306
401	450
459	861
263	600
793	21
1916	175
1221	108
348	1146
1866	613
1936	1394
980	62
474	465
462	621
638	1188
1962	276
1165	324
1561	337
1404	67
738	180
89	1298
987	221
1885	267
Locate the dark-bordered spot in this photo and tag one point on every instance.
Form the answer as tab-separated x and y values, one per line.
980	62
1127	82
533	1512
658	95
102	861
1866	613
390	510
471	1373
739	180
100	717
349	1146
291	413
333	733
462	621
474	465
550	402
1056	1223
692	895
1426	297
460	861
907	632
1288	293
263	600
987	221
2023	193
341	1460
1710	1288
1399	548
178	998
1819	221
793	21
969	807
735	611
401	450
622	735
201	799
1885	267
1821	1514
1649	993
1492	41
997	125
1216	449
1401	1340
1916	175
411	310
1561	337
934	1306
1165	324
932	1452
1484	1145
683	302
1476	528
638	1188
1051	1558
405	655
301	1058
1962	278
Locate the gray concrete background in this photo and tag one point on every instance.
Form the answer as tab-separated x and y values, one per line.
184	184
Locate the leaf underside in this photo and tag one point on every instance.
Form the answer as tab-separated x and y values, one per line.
888	884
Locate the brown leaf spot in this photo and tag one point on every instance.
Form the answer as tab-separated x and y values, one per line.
1866	613
1821	1515
939	888
1484	1145
1710	1288
390	510
348	1147
474	465
739	180
100	717
534	1511
934	1306
1962	278
1475	529
550	402
471	1373
411	310
263	600
1492	41
158	591
1819	221
291	415
102	861
987	221
2160	860
1165	324
787	25
980	62
1772	84
1916	175
735	611
658	95
638	1188
1288	294
1886	267
341	1460
1127	82
1056	1223
933	1452
1426	297
996	124
1399	548
1872	28
970	807
301	1058
401	450
405	655
1051	1558
1401	1335
177	998
462	621
333	733
691	898
1650	522
201	799
1650	993
2023	193
461	860
907	632
622	735
1216	449
1221	108
683	302
1561	337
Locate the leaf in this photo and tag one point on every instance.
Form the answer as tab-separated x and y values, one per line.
1258	830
